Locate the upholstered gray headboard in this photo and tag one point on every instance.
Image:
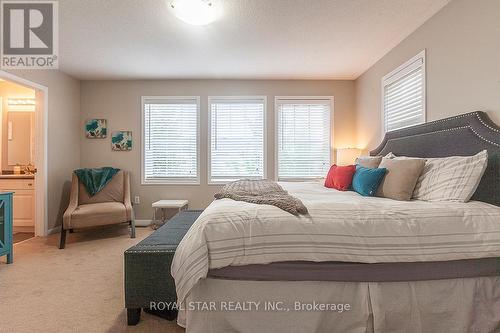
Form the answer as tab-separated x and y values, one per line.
462	135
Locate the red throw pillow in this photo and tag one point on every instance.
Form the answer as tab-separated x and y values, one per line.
340	177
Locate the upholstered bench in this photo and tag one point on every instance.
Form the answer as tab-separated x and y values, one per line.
147	266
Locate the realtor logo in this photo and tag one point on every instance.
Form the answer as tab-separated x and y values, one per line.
29	32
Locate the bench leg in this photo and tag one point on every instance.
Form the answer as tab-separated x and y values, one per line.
62	243
132	228
165	314
133	316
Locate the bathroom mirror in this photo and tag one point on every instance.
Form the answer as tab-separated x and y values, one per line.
20	146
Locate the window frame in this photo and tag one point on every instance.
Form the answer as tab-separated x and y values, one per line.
395	75
172	180
263	98
277	100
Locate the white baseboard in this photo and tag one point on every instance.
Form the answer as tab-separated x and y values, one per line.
138	223
142	223
54	230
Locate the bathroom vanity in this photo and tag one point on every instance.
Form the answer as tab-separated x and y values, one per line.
6	226
23	188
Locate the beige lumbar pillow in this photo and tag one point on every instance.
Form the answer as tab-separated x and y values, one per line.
452	178
369	161
401	177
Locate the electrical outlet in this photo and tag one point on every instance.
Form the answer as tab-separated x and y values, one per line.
137	200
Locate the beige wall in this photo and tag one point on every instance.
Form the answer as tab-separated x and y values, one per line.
463	67
119	103
63	135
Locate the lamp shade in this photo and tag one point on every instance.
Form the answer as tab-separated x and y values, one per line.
347	156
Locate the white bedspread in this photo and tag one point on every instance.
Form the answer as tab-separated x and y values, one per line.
341	226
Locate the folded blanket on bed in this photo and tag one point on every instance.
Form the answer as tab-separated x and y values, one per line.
262	192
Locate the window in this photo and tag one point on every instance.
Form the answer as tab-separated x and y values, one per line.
403	93
236	138
303	137
170	141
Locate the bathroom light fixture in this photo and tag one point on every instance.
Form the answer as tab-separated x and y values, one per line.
196	12
21	104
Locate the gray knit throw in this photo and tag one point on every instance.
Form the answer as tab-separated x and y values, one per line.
262	192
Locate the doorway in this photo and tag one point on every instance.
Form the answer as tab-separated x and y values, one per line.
23	153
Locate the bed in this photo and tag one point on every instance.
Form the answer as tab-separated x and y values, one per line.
353	264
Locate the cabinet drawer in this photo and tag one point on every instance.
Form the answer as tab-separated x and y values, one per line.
17	184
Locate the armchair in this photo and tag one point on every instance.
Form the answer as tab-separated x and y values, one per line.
111	205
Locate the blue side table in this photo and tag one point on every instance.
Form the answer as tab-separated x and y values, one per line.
6	226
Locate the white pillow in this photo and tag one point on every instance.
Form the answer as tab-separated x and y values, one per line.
390	155
452	178
395	157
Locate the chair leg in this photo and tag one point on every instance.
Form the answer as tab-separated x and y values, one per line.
62	243
132	228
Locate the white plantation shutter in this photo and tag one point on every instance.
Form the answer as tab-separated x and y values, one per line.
404	95
170	140
303	131
236	133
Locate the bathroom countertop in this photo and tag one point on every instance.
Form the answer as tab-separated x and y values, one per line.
12	176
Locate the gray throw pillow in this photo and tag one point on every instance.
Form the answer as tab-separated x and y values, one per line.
369	161
401	177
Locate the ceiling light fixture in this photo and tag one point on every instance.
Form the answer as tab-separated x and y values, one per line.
195	12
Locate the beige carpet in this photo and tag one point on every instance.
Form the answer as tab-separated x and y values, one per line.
78	289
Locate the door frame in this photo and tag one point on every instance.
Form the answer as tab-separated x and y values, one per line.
41	125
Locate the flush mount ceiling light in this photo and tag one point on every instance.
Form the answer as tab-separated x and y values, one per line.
195	12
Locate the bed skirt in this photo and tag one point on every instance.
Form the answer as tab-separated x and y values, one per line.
453	305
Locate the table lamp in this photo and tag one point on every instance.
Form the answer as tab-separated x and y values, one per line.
347	156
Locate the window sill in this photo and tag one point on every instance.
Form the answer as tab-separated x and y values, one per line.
227	181
170	182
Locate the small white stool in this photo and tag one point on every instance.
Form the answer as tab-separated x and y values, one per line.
164	205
